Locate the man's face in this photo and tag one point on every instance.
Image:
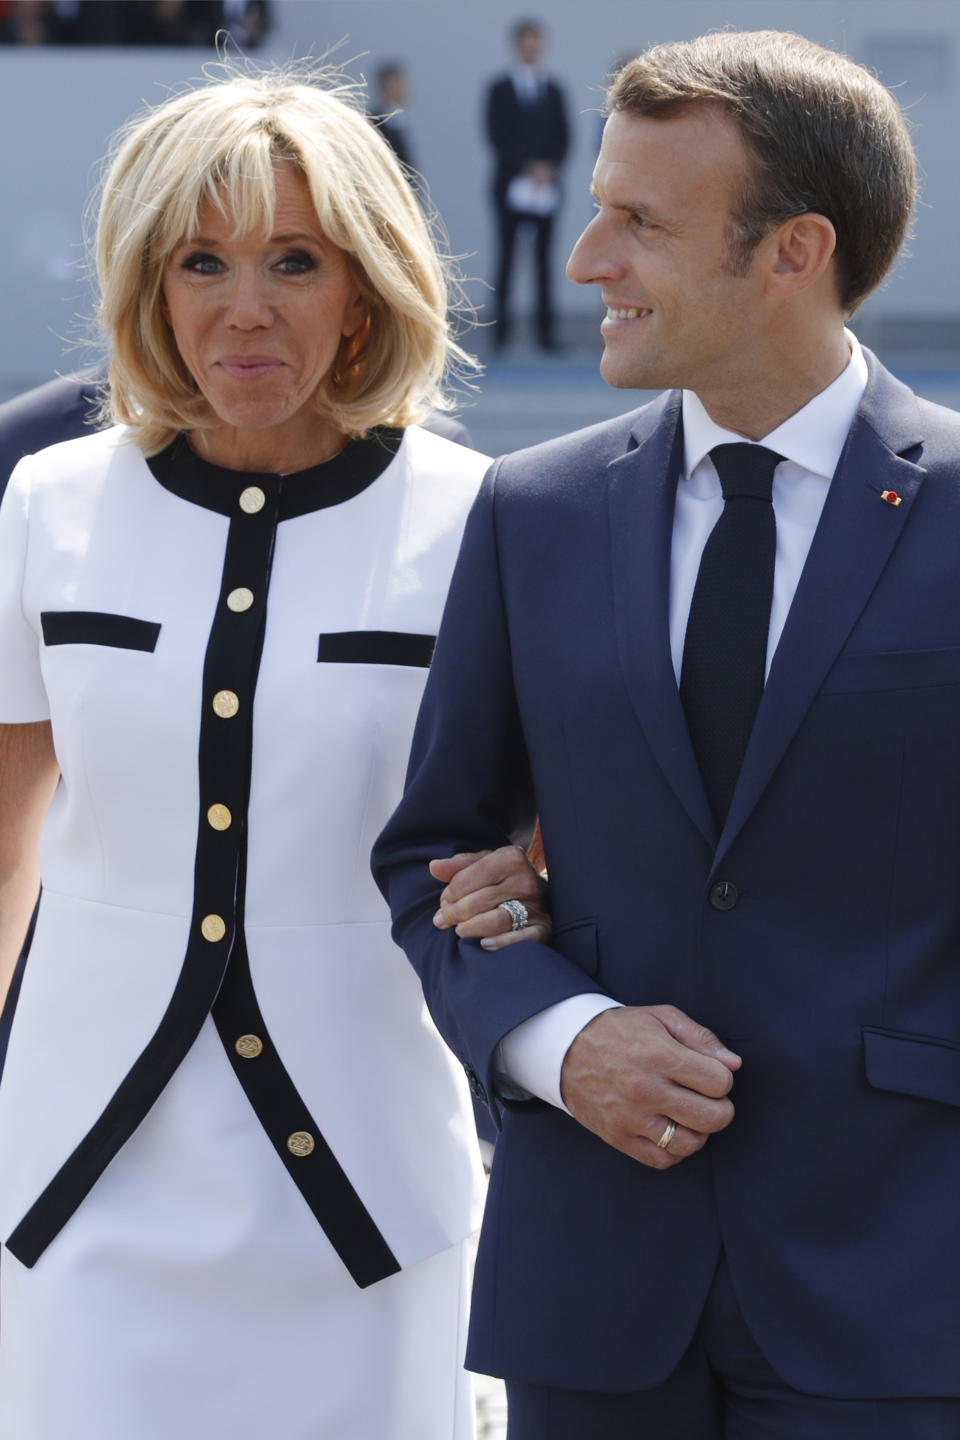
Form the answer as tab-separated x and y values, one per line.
658	248
529	46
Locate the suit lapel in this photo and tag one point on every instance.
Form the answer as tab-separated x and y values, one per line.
642	486
851	546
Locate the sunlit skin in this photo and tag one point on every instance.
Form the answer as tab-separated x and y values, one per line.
755	346
258	320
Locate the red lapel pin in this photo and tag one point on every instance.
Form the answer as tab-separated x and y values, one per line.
891	497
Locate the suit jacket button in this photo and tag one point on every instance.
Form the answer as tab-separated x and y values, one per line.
723	895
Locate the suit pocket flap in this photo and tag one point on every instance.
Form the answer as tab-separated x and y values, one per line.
578	942
376	647
895	670
98	627
913	1065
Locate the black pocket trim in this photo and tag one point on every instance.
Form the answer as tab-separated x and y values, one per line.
376	647
913	1065
98	627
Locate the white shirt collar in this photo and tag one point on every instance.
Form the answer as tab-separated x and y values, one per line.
526	80
812	438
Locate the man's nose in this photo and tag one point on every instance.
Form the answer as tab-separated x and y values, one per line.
591	259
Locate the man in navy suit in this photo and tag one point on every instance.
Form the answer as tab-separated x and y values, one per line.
526	125
724	1199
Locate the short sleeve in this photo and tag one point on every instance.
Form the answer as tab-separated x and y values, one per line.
23	697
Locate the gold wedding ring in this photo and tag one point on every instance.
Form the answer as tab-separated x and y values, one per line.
667	1136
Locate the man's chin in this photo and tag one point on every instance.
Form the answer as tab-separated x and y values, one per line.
623	375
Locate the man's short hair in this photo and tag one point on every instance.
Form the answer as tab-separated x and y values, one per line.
525	27
391	70
824	135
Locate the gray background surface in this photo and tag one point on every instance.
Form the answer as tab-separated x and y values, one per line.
61	105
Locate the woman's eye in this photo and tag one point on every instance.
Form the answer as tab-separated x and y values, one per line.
201	263
297	262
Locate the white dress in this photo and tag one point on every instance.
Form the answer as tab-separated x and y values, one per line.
236	1161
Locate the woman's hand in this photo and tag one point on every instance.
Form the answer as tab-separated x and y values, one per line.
476	884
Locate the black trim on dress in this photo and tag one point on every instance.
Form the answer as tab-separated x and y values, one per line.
181	470
98	627
215	975
376	647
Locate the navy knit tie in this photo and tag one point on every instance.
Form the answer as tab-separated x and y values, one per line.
725	650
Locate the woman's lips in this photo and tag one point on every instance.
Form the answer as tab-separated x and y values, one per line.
249	367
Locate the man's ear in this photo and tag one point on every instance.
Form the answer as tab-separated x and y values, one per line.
800	250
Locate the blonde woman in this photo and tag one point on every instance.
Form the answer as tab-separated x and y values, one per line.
237	1160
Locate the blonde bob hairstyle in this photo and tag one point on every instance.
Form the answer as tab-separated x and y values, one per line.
220	142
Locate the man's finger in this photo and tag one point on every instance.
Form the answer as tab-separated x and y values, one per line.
695	1036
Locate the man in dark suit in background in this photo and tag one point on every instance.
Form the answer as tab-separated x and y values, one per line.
390	102
717	649
526	124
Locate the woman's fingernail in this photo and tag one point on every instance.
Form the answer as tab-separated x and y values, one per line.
488	944
438	919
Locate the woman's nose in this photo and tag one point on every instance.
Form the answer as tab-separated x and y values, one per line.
248	307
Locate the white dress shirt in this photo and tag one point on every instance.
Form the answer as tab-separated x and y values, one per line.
528	83
811	442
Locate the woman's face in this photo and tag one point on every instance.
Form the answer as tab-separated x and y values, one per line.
258	321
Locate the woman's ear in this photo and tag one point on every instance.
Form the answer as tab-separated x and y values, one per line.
356	314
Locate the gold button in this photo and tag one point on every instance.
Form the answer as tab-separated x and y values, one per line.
226	704
252	499
212	927
249	1046
239	600
219	817
301	1142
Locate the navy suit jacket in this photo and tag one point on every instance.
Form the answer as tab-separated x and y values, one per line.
836	974
522	132
59	410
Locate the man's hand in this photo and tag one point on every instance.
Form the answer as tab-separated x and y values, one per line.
477	883
633	1070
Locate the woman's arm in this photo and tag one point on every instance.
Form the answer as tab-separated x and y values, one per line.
28	778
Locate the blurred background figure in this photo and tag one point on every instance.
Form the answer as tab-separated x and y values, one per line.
527	126
134	22
390	105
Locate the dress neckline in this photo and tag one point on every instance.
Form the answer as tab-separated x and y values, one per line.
181	470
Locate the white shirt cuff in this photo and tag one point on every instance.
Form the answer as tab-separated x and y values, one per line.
531	1056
